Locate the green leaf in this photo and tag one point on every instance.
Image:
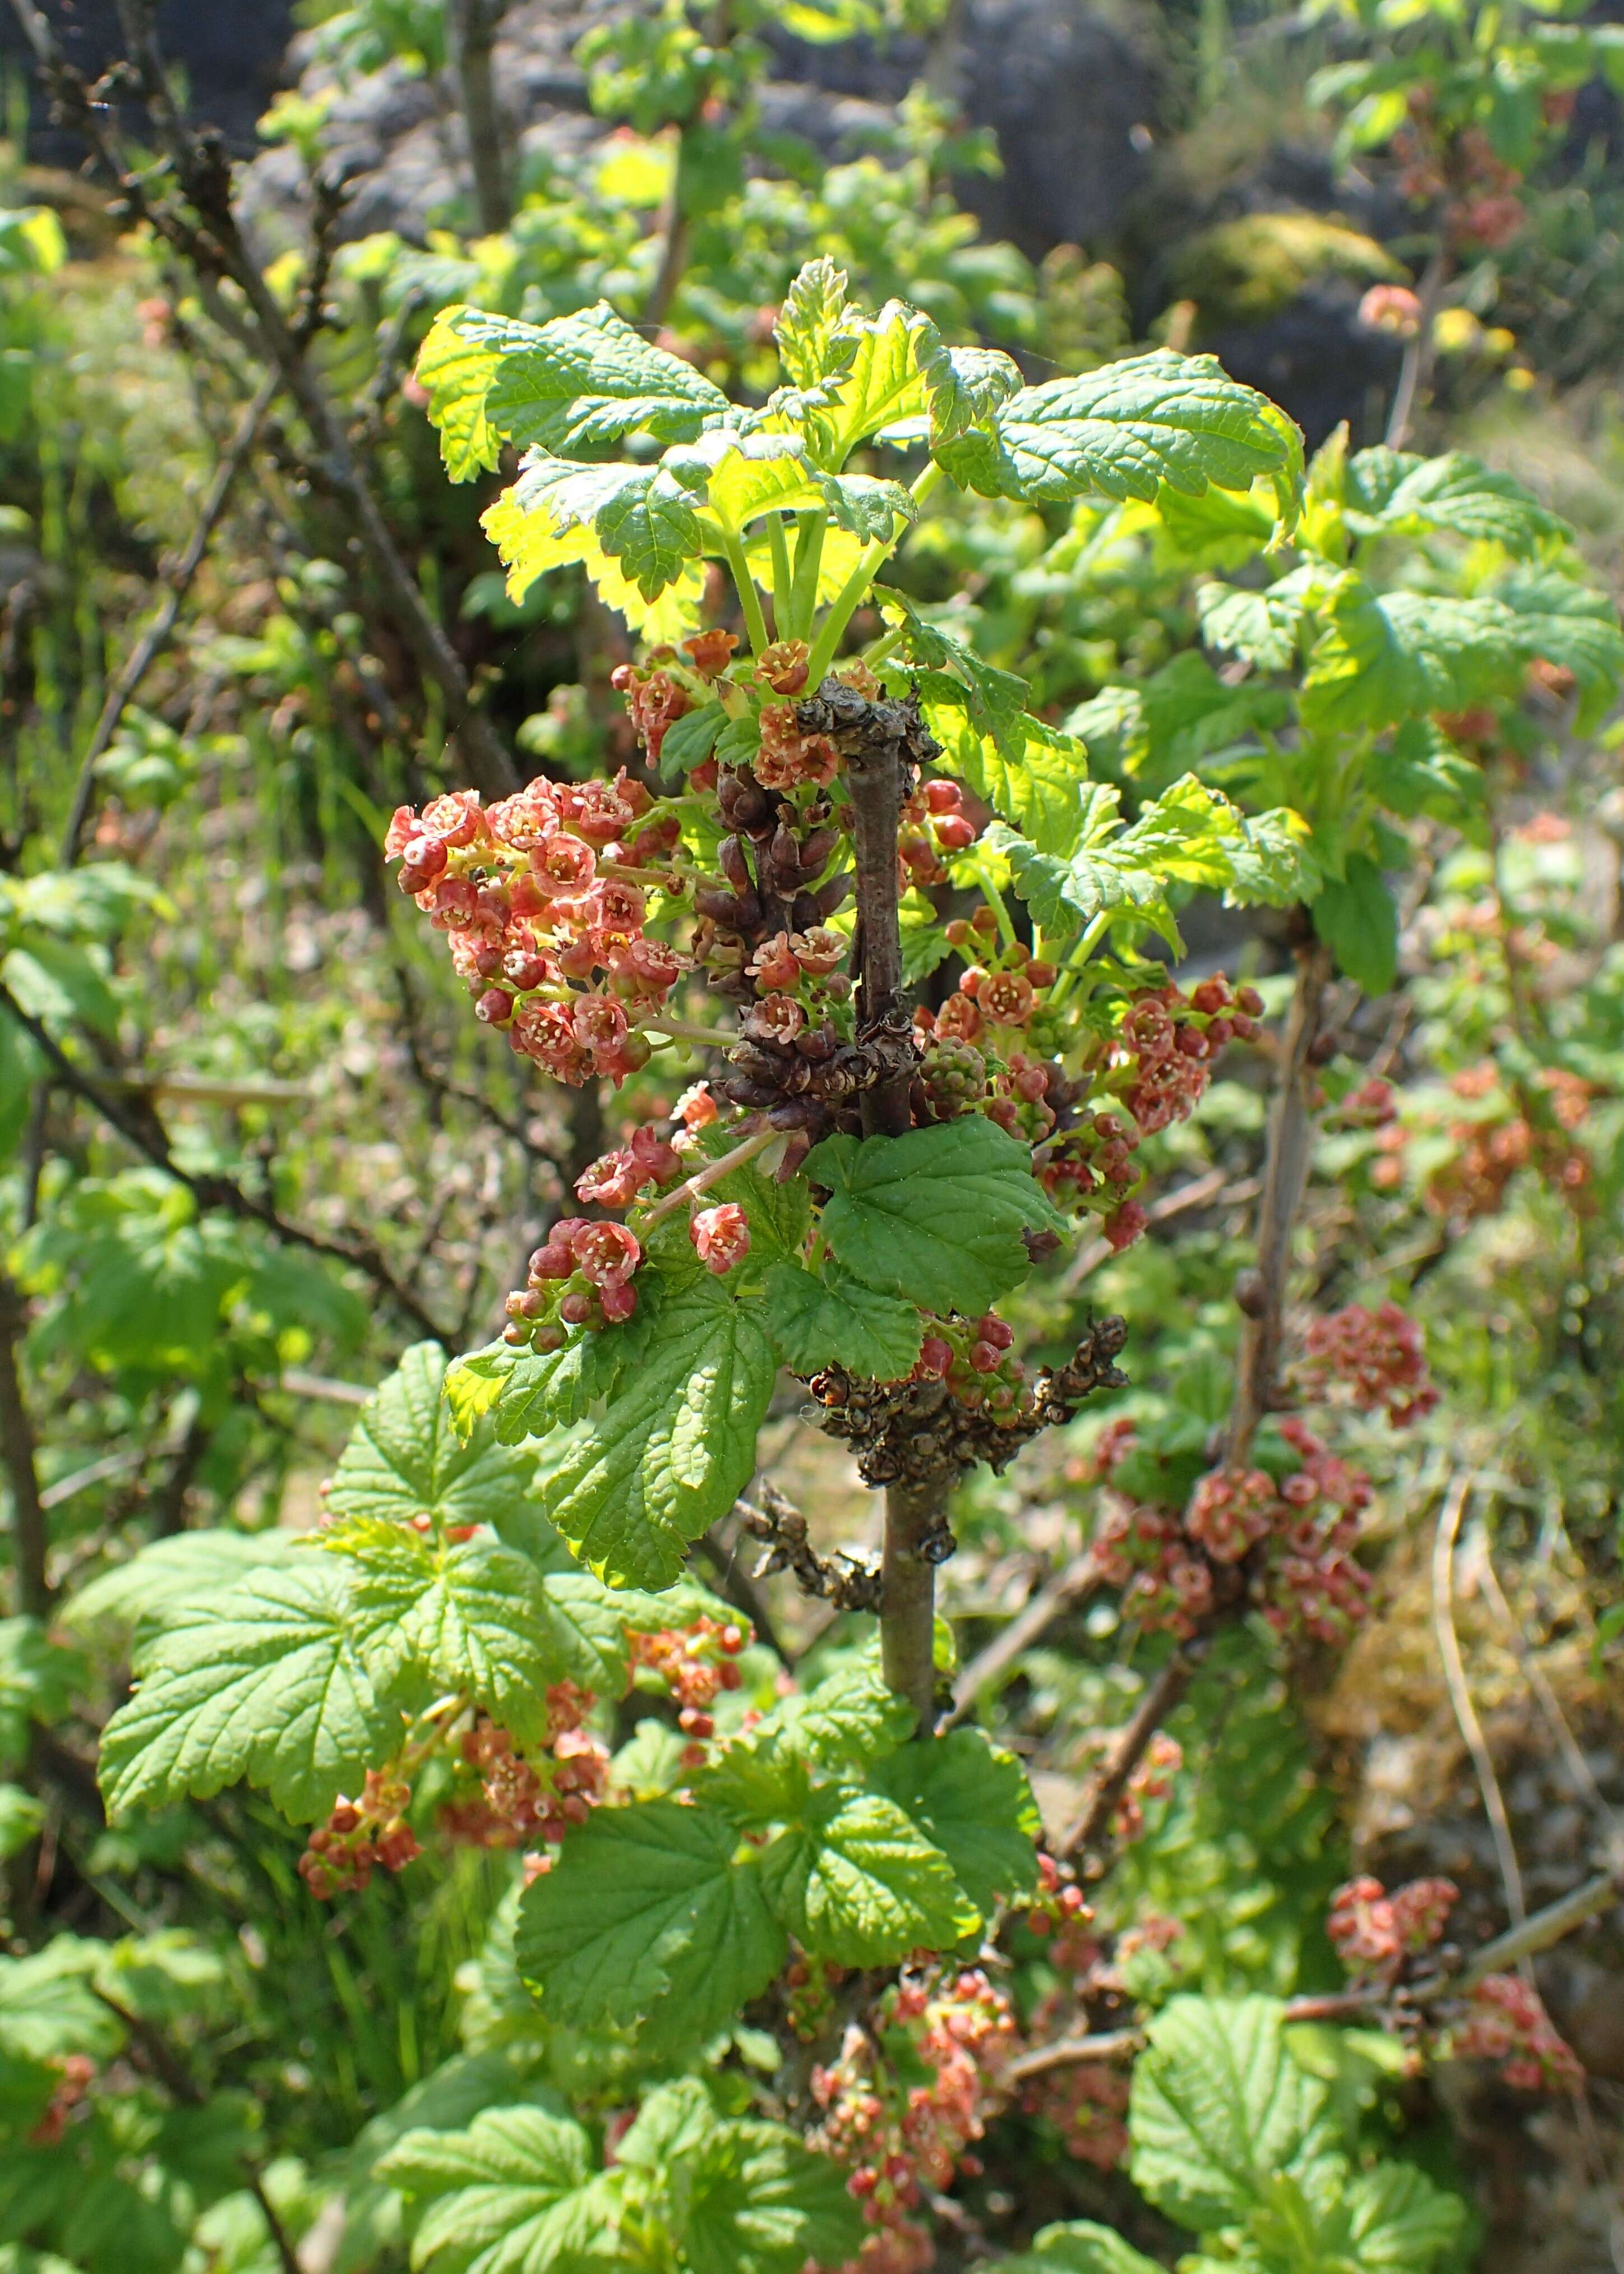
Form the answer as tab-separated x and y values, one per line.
736	2198
755	1784
1420	770
1392	492
585	380
276	1680
898	370
1263	627
648	1908
457	373
972	1802
38	1678
1079	2246
171	1574
1357	919
994	700
935	1216
868	507
1032	774
1398	2222
1383	657
818	1322
406	1459
651	527
22	1819
807	324
1123	430
531	1392
1218	2106
691	740
475	1618
851	1721
738	740
515	2194
674	1447
47	2008
855	1881
1555	620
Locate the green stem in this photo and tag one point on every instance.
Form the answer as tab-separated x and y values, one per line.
809	527
694	1187
1079	955
881	650
749	599
783	578
854	591
842	608
995	902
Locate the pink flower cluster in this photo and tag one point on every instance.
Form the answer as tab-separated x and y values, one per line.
1375	1933
1170	1040
1509	2024
545	923
900	2138
694	1662
1152	1779
1377	1358
520	1798
1296	1540
340	1855
580	1275
721	1236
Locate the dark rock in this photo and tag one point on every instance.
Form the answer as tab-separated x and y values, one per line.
1067	94
230	50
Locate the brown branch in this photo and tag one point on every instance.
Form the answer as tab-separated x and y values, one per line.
30	1532
843	1580
144	1132
207	235
1080	1578
1160	1699
913	1515
472	26
1261	1293
1541	1931
1419	353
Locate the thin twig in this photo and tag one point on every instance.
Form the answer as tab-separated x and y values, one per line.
1160	1699
1460	1698
30	1533
1069	1587
158	633
1213	1186
1579	1772
1541	1931
143	1130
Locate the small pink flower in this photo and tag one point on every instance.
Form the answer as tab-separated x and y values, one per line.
721	1236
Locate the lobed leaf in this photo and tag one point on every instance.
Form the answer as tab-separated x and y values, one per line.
405	1457
675	1445
585	380
646	1907
857	1882
935	1216
972	1801
275	1679
1218	2107
837	1320
1123	431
